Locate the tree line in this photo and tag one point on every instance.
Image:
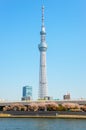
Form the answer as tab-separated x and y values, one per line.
52	106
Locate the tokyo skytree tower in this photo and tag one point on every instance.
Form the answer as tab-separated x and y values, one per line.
43	87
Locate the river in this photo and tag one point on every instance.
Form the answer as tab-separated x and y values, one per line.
41	124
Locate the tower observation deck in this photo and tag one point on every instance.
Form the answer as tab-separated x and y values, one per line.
43	87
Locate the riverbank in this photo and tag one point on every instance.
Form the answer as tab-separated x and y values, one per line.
38	116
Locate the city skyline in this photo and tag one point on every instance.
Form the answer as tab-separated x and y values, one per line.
20	23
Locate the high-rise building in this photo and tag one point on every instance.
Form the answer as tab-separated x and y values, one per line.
27	93
43	87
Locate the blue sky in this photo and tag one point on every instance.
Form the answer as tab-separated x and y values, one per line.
20	25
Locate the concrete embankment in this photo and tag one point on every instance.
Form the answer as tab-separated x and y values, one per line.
52	114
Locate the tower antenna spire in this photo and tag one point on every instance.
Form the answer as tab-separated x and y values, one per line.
42	15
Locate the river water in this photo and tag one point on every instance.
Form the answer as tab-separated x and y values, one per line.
41	124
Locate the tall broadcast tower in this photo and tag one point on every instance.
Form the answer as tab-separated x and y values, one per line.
43	87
